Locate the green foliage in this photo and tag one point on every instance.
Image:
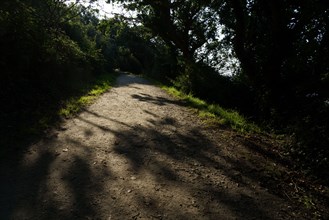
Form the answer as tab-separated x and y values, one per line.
179	23
49	54
282	48
286	61
183	83
128	47
74	104
215	113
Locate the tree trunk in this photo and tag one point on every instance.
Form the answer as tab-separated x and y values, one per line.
247	63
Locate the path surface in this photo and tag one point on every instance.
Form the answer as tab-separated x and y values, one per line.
137	154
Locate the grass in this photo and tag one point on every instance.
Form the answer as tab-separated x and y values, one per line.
87	93
295	187
74	105
24	125
214	113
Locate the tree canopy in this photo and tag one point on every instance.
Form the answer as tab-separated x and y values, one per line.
282	52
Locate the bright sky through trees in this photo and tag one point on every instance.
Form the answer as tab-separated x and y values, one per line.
105	9
108	9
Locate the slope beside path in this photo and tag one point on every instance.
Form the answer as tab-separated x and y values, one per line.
137	153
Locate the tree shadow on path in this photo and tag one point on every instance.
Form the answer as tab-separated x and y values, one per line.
167	168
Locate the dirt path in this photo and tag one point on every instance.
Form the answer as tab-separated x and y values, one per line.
137	154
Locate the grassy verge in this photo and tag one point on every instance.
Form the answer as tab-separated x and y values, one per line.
292	187
214	113
73	105
39	112
84	95
276	168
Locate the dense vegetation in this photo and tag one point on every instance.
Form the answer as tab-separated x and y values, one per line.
278	50
55	57
266	59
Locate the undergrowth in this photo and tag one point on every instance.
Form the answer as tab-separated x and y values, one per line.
34	113
215	113
73	105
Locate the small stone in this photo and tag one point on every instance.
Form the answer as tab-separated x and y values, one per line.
129	191
62	128
133	178
65	150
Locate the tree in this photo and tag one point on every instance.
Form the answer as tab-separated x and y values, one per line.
282	47
283	50
129	47
185	26
267	36
48	50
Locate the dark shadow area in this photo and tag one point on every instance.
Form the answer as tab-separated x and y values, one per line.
16	184
260	146
287	182
199	157
31	108
131	80
107	118
189	149
156	100
150	113
31	191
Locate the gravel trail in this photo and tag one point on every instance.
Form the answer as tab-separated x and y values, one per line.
137	153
